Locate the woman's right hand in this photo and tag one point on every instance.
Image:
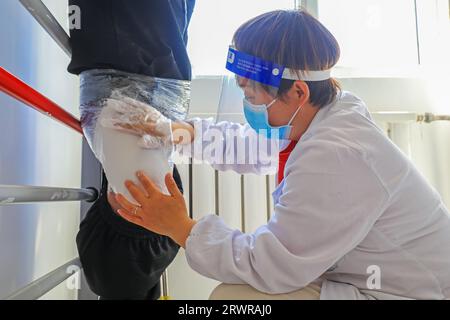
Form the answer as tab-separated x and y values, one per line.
181	132
138	118
135	117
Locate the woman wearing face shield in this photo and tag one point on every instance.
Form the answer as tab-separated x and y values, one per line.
353	218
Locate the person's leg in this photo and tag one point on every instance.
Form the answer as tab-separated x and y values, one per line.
125	264
122	260
246	292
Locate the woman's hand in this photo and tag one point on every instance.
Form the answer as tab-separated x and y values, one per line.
157	212
140	119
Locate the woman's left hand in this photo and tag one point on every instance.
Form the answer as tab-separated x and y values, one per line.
163	214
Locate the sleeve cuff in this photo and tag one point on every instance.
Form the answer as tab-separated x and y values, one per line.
207	229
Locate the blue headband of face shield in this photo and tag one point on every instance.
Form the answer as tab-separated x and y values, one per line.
270	74
267	72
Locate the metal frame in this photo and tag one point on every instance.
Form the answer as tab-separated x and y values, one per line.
43	285
16	88
242	203
312	6
28	194
46	19
91	168
398	117
19	90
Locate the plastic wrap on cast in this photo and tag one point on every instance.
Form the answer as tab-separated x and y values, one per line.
109	98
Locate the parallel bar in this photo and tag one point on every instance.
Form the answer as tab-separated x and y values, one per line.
242	203
46	19
268	195
26	194
165	286
394	116
430	117
41	286
191	189
19	90
406	116
216	192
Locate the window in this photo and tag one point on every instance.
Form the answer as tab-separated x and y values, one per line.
377	37
213	25
434	32
384	37
375	33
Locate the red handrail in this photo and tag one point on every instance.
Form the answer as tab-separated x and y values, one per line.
19	90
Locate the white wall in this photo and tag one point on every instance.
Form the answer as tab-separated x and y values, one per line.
35	150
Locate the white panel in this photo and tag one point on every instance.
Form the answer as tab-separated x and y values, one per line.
205	97
183	169
230	198
401	136
185	283
203	190
255	202
431	153
391	94
427	146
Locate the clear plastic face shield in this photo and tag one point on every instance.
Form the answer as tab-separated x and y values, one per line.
257	82
249	79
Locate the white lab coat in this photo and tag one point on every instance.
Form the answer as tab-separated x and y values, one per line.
351	204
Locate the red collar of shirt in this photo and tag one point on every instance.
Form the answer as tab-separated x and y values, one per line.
283	158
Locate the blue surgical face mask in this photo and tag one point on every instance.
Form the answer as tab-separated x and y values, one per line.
257	117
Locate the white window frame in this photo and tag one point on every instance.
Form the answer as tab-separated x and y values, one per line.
313	5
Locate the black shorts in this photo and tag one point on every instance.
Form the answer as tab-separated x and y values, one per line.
122	260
